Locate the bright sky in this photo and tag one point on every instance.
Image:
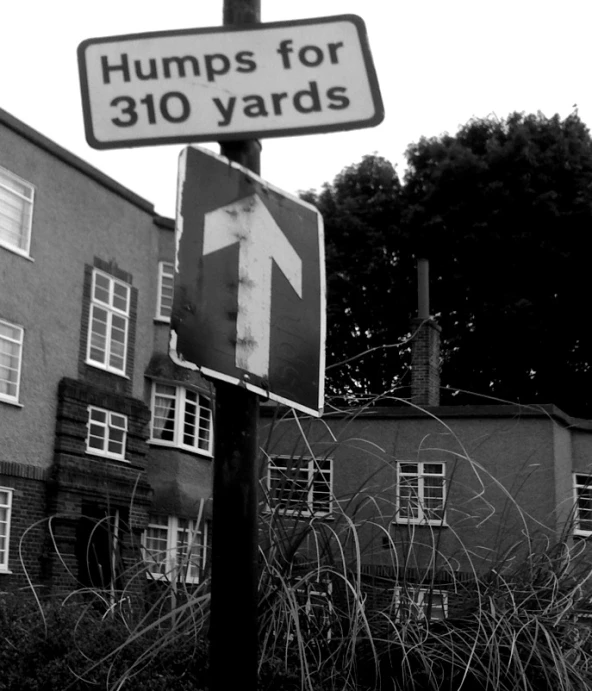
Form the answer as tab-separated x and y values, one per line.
439	63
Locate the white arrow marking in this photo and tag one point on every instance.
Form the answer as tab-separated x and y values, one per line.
262	242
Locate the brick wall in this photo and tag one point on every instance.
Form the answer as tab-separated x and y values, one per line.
28	528
86	491
425	363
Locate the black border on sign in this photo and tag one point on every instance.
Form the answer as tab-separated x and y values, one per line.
376	119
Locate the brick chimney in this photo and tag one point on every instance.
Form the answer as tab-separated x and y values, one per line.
425	346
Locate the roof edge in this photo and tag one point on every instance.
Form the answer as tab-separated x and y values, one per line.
544	410
74	161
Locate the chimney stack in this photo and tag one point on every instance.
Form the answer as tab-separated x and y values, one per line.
425	345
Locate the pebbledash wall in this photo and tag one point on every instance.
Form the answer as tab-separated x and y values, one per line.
510	474
84	224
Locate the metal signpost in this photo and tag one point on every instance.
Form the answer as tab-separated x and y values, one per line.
249	310
249	282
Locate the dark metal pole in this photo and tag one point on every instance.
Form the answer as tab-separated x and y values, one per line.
233	626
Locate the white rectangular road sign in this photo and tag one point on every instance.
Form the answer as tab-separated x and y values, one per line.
230	82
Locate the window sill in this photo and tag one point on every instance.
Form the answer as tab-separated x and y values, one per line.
583	534
165	577
105	457
5	572
301	515
188	449
104	369
421	524
162	320
16	250
8	401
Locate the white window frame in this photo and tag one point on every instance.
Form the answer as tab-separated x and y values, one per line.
166	270
112	312
416	599
318	604
5	553
582	490
179	415
18	342
422	517
301	499
171	563
110	429
7	191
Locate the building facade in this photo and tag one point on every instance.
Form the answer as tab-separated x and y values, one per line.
435	496
98	429
106	446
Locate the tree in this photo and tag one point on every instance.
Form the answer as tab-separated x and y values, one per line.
503	210
366	269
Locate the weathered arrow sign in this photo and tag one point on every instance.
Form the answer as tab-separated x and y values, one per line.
261	243
249	304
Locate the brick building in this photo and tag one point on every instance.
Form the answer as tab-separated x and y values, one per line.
105	443
437	494
98	429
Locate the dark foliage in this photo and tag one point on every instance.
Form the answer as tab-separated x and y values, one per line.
76	648
369	274
503	210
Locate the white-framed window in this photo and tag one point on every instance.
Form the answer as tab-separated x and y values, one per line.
181	417
106	433
16	212
583	504
415	603
11	355
317	602
166	279
175	548
5	511
300	486
108	323
421	492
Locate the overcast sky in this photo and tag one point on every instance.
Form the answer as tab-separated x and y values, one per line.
439	63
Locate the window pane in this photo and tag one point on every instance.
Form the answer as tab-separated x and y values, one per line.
108	328
421	491
190	420
98	415
10	359
166	290
119	421
295	485
102	288
98	334
408	497
205	423
156	546
5	499
15	210
163	414
103	435
120	297
9	332
411	468
433	468
189	551
584	502
116	441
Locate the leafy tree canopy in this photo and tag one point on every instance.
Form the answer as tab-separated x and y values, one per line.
503	211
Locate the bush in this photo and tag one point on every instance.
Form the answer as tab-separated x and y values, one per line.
73	645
